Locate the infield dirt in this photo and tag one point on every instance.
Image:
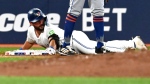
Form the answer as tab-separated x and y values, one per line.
128	64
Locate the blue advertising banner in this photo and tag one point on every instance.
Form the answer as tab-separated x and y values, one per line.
123	18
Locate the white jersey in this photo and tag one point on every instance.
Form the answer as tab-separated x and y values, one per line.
43	37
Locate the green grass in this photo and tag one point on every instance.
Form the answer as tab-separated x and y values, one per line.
12	59
71	80
3	49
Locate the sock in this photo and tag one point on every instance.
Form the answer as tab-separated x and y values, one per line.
69	26
99	29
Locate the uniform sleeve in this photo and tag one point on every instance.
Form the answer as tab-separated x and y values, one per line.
52	29
29	37
49	32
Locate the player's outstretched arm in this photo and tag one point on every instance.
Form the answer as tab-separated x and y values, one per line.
52	47
27	45
53	44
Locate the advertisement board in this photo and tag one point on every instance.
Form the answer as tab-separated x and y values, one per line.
123	19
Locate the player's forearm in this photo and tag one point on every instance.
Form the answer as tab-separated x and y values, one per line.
53	44
26	46
54	41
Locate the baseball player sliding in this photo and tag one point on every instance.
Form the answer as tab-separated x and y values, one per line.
51	38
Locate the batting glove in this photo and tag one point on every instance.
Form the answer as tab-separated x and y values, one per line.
51	50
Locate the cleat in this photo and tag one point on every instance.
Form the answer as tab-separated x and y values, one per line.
98	50
101	50
68	50
139	44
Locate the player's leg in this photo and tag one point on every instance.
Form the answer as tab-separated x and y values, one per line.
82	43
87	46
122	45
97	7
73	12
119	45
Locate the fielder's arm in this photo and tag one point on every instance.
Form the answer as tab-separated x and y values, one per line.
27	45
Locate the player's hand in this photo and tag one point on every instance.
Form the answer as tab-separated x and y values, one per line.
51	50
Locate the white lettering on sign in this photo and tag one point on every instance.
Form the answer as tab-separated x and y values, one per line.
86	19
19	23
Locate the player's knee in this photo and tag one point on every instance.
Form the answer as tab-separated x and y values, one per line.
75	13
97	12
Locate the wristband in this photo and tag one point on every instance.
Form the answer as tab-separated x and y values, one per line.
51	47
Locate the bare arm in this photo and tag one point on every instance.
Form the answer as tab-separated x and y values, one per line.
54	41
27	45
52	44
